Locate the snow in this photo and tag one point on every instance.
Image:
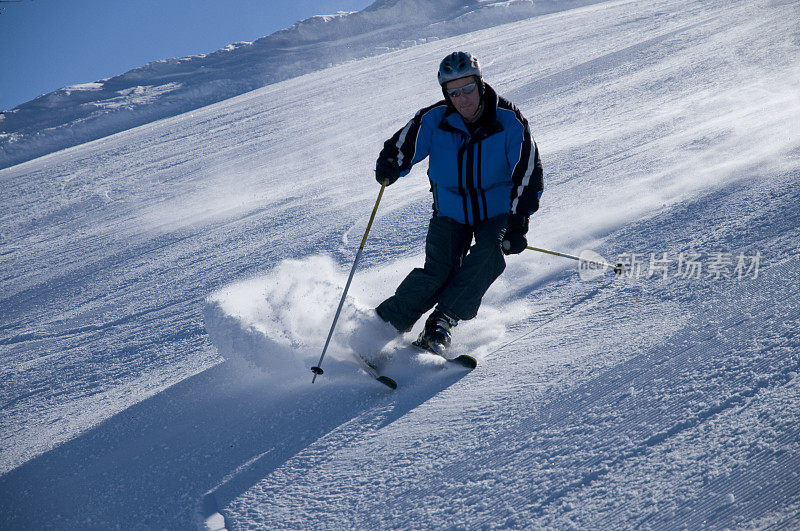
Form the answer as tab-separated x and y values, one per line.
166	290
80	113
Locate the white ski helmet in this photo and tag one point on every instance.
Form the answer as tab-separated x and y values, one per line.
458	65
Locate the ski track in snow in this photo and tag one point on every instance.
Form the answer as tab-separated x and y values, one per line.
617	403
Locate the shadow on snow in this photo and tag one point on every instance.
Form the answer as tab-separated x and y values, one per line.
189	450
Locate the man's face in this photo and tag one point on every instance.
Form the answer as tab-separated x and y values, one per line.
466	104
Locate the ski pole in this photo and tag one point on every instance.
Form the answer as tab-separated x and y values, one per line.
618	269
317	369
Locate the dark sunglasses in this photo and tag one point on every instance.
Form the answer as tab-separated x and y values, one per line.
466	89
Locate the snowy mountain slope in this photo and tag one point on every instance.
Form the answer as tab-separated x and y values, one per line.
83	112
616	403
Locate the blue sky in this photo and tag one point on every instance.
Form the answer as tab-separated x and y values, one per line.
48	44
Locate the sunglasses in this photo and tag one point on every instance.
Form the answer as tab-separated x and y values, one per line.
466	89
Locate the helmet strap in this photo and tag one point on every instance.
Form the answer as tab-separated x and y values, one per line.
478	114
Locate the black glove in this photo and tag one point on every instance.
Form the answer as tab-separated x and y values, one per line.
514	241
386	170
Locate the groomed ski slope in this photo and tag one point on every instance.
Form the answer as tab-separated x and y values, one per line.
133	264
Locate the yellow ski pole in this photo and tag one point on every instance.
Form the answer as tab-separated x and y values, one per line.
317	369
618	269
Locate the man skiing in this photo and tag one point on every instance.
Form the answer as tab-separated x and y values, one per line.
486	180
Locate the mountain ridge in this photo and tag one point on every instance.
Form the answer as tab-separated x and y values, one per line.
83	112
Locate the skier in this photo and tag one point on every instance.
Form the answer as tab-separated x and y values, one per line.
486	180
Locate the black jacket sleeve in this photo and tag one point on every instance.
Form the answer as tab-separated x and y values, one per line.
527	176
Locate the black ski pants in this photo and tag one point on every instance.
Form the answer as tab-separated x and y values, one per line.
455	275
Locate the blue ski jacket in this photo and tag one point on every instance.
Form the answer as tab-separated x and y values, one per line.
477	172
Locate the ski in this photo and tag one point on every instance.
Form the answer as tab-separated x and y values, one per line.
373	371
368	368
388	382
464	360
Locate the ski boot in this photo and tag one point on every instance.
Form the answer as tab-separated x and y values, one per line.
436	336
